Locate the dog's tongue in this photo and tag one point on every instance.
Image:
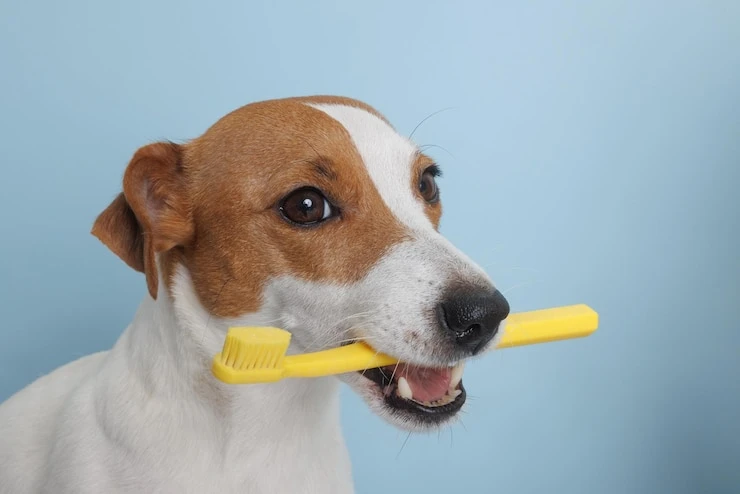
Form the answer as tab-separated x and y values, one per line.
427	384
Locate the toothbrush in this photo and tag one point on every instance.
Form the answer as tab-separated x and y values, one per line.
254	355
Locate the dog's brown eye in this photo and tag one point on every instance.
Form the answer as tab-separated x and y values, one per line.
306	206
428	185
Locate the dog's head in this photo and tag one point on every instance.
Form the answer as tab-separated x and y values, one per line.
314	215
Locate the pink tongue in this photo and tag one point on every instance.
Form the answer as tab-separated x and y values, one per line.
427	384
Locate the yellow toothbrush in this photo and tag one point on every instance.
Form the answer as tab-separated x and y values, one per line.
257	354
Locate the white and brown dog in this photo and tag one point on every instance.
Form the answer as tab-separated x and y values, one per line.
311	214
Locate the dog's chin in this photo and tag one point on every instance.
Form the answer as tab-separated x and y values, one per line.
433	404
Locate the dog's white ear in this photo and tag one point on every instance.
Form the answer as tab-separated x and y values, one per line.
153	213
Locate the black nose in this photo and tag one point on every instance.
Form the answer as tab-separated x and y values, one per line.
473	316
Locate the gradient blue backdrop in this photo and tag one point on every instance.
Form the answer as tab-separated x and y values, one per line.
592	155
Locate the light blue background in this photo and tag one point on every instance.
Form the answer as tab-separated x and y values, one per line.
594	154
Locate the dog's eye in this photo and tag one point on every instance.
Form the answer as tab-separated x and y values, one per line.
428	185
306	206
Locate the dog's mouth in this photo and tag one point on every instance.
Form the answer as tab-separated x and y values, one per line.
432	395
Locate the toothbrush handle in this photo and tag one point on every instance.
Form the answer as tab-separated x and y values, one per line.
348	358
523	328
542	326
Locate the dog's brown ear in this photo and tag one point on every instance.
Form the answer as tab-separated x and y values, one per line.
153	213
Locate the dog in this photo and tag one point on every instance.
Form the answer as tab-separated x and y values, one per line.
311	214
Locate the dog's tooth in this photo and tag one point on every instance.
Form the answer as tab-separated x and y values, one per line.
404	390
455	393
457	373
387	390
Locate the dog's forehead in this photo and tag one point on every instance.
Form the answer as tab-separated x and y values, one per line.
263	140
388	157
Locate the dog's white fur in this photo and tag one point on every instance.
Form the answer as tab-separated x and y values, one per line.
147	416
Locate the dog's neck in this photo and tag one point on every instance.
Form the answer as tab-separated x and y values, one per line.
170	346
156	396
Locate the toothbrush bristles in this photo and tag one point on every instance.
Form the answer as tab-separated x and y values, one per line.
255	348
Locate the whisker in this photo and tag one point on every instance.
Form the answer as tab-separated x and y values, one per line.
395	368
353	316
427	118
518	285
314	342
276	170
361	338
365	370
318	155
427	146
403	445
463	424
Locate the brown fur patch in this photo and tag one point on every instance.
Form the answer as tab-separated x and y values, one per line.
228	184
152	215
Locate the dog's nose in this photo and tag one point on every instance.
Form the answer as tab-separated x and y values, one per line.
473	316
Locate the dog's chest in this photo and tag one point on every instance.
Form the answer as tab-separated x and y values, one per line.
271	457
310	468
305	464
